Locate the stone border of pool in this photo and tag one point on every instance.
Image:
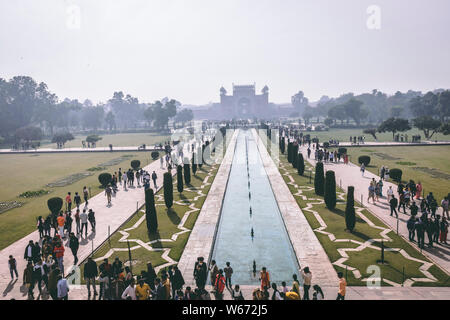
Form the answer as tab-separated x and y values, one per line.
201	239
307	247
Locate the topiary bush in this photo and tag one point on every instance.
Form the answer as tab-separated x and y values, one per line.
350	219
168	190
150	211
326	145
155	155
396	174
187	172
104	179
289	152
319	179
364	159
294	156
135	164
54	205
330	190
342	150
300	164
180	178
194	164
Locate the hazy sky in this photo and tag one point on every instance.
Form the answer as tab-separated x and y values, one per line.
188	49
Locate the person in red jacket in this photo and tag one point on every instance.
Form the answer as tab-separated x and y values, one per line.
219	285
59	255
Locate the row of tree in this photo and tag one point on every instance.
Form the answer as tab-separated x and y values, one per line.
375	107
25	103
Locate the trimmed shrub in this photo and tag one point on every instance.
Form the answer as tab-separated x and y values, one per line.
289	151
180	178
396	174
155	155
295	156
104	178
300	164
187	171
282	145
326	145
364	159
54	205
350	219
135	164
330	190
194	165
319	179
150	211
168	190
342	150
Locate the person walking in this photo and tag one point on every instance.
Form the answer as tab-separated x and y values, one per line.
130	292
420	229
108	193
219	285
61	222
74	244
236	293
30	252
90	272
228	273
393	204
77	221
28	279
362	169
84	221
77	200
12	265
389	193
264	277
124	178
58	251
154	177
63	289
444	230
445	205
213	271
307	278
91	218
411	225
342	286
53	282
86	196
69	201
142	290
200	273
318	293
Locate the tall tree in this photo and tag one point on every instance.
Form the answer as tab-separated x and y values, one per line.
427	124
180	178
330	190
394	125
350	218
168	190
319	179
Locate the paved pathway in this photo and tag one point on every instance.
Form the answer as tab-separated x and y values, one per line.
108	220
350	175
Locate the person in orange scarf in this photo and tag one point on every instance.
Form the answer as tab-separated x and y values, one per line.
265	278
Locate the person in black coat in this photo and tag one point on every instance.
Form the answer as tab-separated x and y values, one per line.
29	251
90	273
150	276
393	204
176	279
74	244
200	273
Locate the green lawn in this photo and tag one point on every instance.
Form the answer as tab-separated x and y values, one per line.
343	135
360	260
117	140
430	164
24	172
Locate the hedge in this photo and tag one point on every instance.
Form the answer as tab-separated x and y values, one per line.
180	178
350	219
54	205
168	189
330	190
155	155
342	150
135	164
300	164
104	178
396	174
150	211
364	159
319	179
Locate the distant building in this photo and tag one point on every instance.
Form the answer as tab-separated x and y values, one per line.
244	103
